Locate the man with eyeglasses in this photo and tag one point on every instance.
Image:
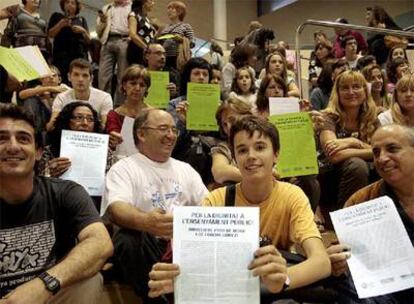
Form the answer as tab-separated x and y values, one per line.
140	194
350	45
155	61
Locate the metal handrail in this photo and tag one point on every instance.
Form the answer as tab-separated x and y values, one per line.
410	28
343	26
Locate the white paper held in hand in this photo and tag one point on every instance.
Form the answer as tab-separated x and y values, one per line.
213	247
382	256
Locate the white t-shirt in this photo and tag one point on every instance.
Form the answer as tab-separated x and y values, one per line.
385	118
148	185
99	100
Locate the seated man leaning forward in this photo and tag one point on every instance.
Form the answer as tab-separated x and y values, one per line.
141	192
393	151
52	243
285	214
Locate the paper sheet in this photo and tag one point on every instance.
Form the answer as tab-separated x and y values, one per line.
88	155
213	247
283	105
297	155
127	147
158	93
24	63
203	100
382	256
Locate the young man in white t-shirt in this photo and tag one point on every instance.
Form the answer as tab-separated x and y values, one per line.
80	75
140	194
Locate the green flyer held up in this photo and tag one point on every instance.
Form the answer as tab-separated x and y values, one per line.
203	101
24	63
297	141
158	93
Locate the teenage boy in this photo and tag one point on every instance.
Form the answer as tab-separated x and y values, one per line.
285	214
80	75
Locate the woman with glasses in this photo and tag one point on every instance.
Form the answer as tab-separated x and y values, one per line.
134	85
350	121
76	116
402	109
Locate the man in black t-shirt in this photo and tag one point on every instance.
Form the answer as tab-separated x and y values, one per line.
52	243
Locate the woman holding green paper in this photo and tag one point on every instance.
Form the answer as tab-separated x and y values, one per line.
134	85
275	86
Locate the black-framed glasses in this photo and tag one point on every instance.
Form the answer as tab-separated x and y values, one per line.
164	129
80	118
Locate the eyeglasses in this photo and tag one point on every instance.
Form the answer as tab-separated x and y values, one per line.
80	118
164	129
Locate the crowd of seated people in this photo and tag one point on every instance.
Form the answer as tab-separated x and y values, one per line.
361	103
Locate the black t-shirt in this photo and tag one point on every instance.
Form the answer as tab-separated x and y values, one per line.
68	43
35	235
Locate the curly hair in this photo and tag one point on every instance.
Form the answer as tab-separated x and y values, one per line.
367	118
241	54
63	123
235	87
262	102
397	113
392	68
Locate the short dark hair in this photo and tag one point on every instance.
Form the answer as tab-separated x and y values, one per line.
14	112
346	39
78	6
194	63
252	124
80	63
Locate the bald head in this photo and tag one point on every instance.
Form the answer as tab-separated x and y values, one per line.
393	150
394	129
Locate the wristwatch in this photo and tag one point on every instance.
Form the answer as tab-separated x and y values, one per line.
52	284
286	284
